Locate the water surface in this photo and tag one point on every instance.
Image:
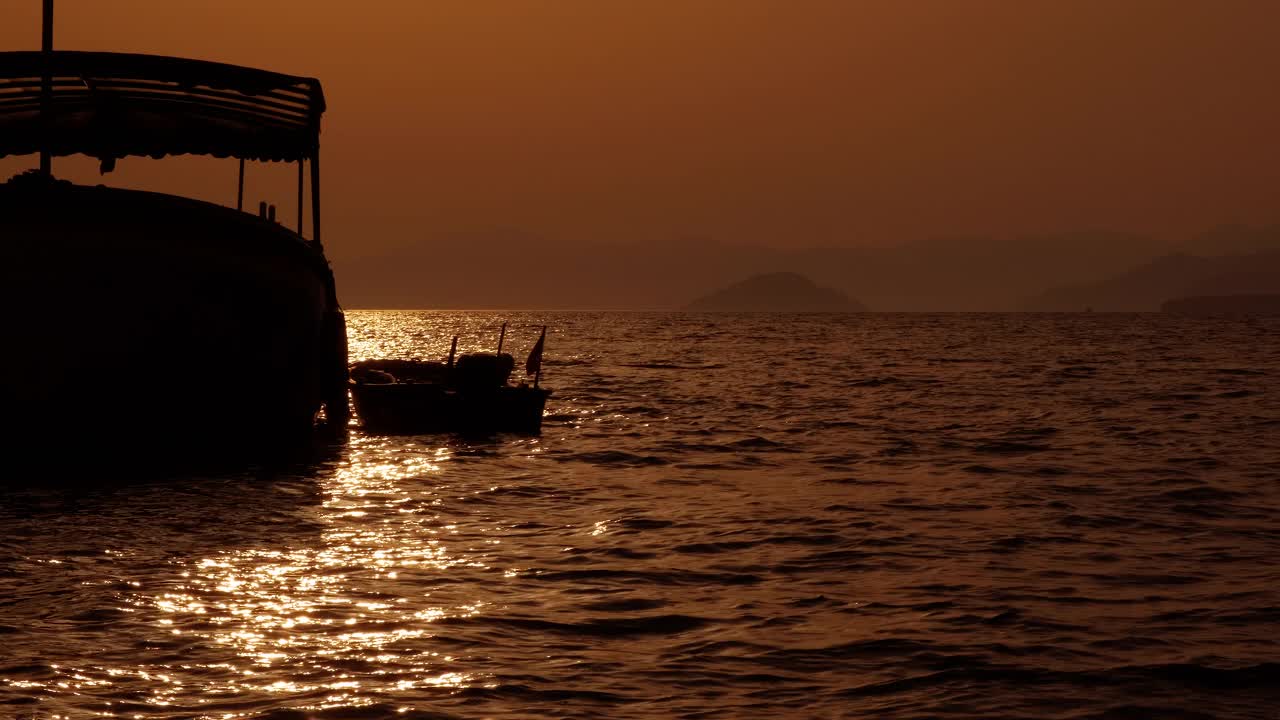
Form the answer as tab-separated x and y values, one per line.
1050	516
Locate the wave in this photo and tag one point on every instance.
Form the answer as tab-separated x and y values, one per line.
675	366
671	624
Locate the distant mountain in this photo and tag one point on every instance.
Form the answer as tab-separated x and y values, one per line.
510	269
1224	305
514	269
1234	240
1147	286
775	292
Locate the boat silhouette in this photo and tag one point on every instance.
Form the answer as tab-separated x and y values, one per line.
470	394
148	316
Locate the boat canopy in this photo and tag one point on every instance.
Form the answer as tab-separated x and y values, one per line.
114	105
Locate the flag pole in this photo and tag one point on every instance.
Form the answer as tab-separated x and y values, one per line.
542	339
46	89
501	337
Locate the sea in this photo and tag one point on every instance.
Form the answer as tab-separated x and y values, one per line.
725	516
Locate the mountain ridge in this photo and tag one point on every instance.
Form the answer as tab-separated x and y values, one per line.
1146	287
512	268
775	292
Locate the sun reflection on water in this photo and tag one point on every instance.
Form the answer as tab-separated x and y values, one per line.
328	623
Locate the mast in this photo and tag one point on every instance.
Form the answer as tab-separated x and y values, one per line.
46	90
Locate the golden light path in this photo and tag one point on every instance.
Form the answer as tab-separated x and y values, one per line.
325	623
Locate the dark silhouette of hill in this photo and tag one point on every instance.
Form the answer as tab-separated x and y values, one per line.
1224	305
775	292
1234	240
513	269
1147	286
970	273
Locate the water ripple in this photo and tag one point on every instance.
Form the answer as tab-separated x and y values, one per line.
1058	516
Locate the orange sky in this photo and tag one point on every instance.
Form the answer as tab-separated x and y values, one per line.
783	122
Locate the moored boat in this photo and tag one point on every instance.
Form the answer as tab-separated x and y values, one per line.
148	317
470	395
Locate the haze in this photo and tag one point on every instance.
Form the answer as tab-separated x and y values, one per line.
779	123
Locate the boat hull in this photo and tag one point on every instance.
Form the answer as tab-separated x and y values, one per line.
142	322
411	409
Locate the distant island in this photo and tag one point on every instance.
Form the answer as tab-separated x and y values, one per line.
1144	288
1223	305
775	292
1061	272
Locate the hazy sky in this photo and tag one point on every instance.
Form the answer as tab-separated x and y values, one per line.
783	122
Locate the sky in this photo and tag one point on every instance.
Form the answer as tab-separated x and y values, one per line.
785	123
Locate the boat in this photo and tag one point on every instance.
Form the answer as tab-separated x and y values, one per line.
138	317
471	395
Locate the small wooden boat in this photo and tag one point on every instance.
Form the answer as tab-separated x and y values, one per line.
471	395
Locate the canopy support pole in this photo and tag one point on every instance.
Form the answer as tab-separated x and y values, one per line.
301	184
301	200
315	198
46	90
240	188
